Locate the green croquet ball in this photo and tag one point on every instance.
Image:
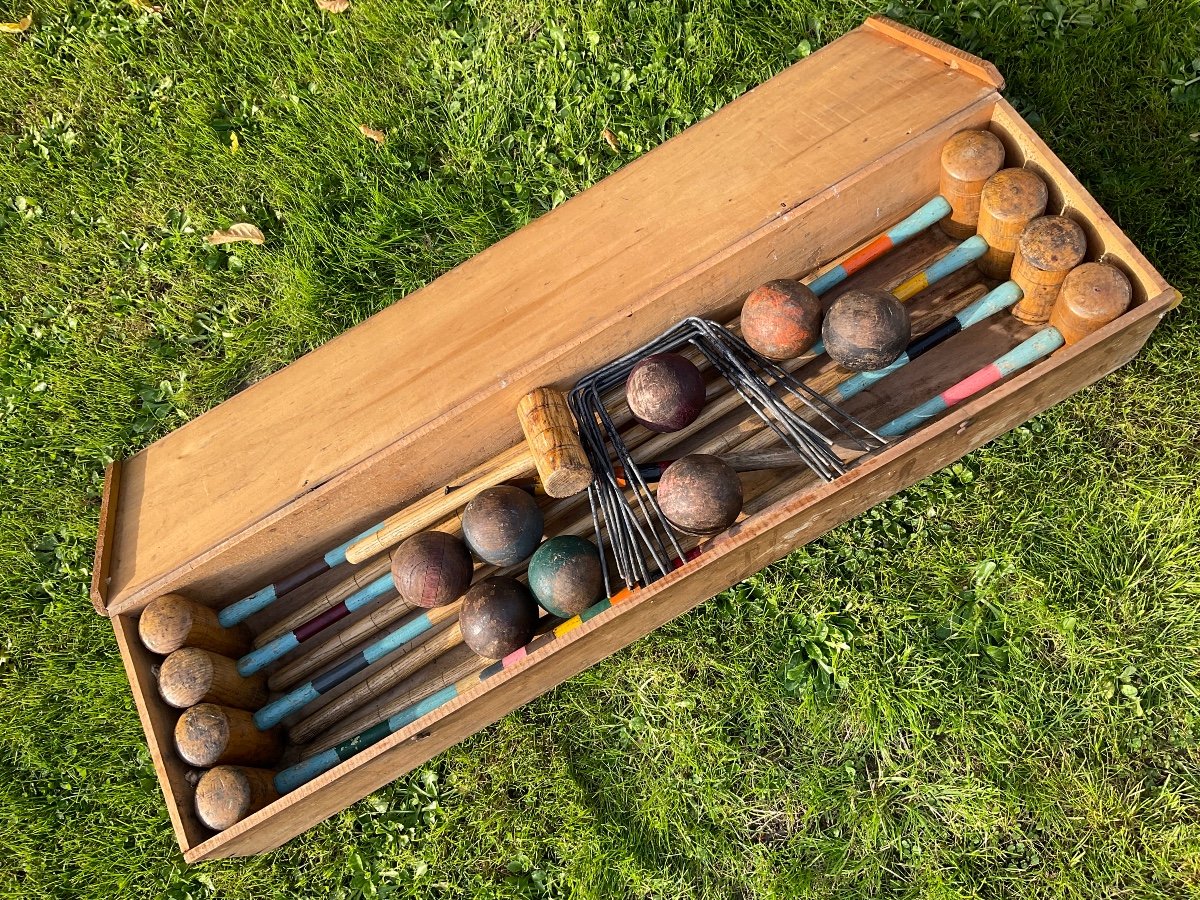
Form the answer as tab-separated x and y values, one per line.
565	575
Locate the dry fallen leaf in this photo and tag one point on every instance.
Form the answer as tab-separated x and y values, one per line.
16	27
610	138
334	6
373	133
240	231
234	143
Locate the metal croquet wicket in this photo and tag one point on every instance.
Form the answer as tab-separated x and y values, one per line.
644	546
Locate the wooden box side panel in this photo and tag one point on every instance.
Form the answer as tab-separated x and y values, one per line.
758	160
745	549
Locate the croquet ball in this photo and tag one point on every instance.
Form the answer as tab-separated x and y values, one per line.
227	794
866	330
502	525
665	392
700	494
498	616
565	575
431	569
781	319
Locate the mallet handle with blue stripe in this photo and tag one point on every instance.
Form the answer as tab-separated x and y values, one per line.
969	159
425	698
261	599
261	657
298	698
752	459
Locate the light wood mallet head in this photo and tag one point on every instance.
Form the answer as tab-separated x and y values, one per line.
192	675
969	159
212	735
173	621
1092	295
553	441
227	794
1011	199
1049	248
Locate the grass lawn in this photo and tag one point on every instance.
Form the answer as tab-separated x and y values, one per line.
1013	706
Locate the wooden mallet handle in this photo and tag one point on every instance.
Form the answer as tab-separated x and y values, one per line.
514	462
969	159
553	440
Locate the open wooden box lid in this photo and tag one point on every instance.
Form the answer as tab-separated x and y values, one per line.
428	387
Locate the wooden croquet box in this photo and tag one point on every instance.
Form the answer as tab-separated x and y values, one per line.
780	183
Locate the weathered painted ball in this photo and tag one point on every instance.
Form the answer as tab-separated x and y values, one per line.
866	330
565	575
502	525
781	319
665	392
431	569
700	494
498	616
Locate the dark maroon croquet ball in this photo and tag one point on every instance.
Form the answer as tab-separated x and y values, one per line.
502	525
866	330
565	575
781	319
700	494
431	569
498	616
665	392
